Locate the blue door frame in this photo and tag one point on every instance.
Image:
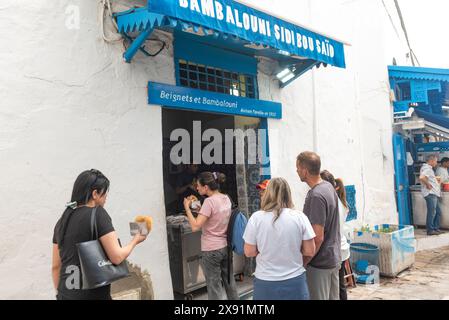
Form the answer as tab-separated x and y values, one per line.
402	184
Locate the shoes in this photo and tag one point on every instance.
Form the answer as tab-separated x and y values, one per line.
439	231
433	233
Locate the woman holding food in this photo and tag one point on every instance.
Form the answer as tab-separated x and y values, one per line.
212	220
89	191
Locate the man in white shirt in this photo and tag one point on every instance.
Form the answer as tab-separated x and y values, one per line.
431	190
442	170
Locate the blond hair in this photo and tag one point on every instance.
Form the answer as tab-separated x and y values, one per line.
278	196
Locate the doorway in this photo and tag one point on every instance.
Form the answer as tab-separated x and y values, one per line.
241	180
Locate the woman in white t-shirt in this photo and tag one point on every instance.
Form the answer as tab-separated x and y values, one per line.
343	211
279	237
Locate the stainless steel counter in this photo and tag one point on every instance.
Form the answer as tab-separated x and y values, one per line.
420	209
184	248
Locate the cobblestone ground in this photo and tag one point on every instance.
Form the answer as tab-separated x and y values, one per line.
428	279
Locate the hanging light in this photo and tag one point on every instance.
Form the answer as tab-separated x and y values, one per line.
286	75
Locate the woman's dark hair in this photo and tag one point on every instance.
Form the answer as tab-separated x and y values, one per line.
86	183
341	191
212	179
329	177
337	184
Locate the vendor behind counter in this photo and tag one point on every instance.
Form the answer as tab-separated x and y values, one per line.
442	171
186	184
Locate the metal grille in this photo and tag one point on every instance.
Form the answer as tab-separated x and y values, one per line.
350	198
198	76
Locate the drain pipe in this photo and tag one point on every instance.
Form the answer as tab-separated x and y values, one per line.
314	102
315	113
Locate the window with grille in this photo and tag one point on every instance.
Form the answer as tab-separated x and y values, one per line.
198	76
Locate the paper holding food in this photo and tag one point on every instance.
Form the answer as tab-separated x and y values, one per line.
142	225
195	203
138	228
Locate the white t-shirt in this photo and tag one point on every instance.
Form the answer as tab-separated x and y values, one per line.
443	174
279	244
345	247
427	171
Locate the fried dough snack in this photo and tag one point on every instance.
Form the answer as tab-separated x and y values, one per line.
147	219
192	198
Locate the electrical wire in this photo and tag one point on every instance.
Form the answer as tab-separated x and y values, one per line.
401	18
106	8
160	50
391	20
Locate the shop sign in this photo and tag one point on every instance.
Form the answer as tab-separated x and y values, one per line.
205	101
234	18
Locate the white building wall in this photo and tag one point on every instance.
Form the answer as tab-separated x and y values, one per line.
69	103
353	116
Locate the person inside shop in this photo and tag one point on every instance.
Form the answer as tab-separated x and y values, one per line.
431	191
186	184
213	220
442	171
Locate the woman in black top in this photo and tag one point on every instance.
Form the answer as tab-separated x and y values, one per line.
89	191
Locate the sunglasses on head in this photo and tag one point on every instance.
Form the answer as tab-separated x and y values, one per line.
97	173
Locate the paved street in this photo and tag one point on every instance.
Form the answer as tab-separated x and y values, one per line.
428	279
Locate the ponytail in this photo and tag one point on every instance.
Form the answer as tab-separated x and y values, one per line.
214	180
341	191
337	184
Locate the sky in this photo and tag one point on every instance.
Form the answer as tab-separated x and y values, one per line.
425	22
427	26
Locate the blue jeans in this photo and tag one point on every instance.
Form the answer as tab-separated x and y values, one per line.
292	289
433	213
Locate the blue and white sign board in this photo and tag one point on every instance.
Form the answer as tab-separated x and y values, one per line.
205	101
433	147
236	19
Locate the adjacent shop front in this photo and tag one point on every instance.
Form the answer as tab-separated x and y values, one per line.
421	129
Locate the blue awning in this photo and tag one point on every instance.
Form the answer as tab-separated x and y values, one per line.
437	119
236	26
418	73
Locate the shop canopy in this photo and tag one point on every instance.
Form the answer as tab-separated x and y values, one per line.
237	27
418	73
